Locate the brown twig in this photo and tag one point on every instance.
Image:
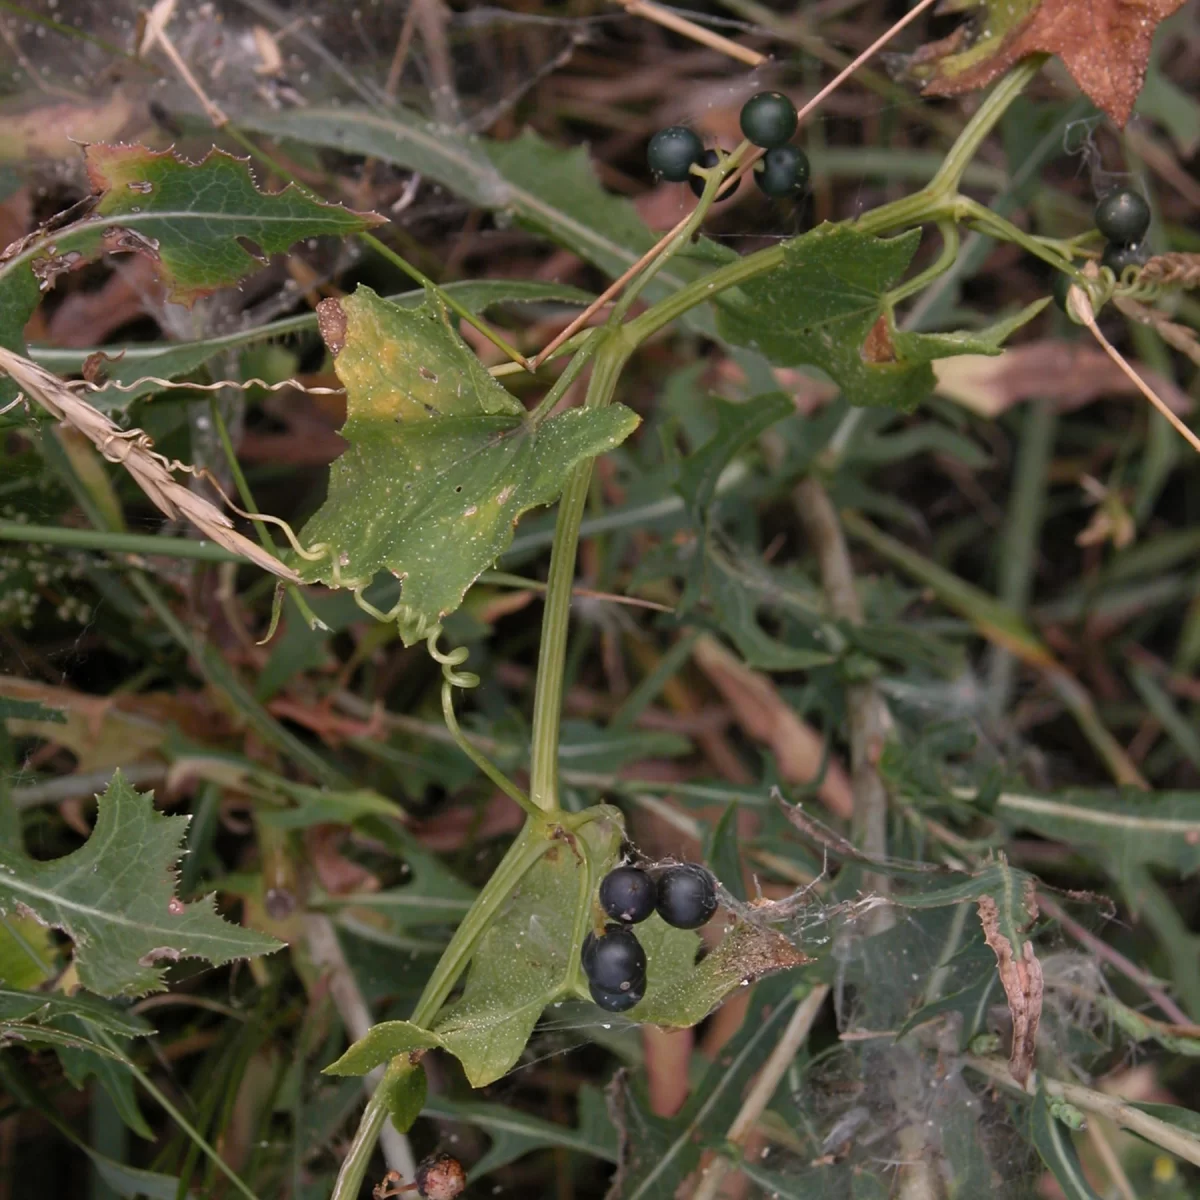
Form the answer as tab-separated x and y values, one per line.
1114	957
869	718
134	450
759	1096
155	33
678	24
1178	1141
1081	308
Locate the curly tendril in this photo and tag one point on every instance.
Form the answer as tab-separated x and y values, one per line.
452	678
457	656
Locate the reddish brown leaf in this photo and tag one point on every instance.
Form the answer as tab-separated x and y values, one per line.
1105	44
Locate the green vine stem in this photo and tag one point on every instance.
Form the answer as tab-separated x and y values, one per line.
468	679
552	655
529	846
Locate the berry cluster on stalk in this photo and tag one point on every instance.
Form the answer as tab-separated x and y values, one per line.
1123	217
683	894
768	121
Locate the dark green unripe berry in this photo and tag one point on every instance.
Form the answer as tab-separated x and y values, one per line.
1123	217
769	119
687	896
709	159
672	151
1117	258
783	171
616	1001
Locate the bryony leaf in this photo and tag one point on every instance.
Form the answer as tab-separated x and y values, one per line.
825	307
189	218
442	460
681	993
528	957
1105	44
115	898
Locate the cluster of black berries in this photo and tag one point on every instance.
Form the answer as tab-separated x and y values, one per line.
1123	217
684	894
768	120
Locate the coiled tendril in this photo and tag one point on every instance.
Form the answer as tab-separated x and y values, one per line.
452	678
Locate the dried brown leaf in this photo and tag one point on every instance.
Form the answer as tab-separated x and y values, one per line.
766	717
1179	337
1071	373
1021	977
1104	44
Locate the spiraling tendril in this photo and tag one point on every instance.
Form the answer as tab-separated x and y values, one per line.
452	678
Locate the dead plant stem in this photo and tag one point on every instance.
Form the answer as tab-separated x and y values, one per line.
869	718
759	1096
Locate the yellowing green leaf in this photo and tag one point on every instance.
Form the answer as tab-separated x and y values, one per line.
115	898
442	460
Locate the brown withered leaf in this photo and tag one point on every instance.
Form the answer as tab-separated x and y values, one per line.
1021	977
1072	373
766	717
1104	44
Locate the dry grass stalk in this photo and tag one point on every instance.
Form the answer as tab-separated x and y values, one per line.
1172	270
1179	337
133	449
680	24
1080	307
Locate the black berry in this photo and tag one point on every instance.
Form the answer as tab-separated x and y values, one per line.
672	151
769	119
687	896
784	171
616	1001
1117	258
440	1177
614	961
1123	217
708	159
627	895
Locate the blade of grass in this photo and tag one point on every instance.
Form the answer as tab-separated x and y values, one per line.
1021	537
1004	628
1178	728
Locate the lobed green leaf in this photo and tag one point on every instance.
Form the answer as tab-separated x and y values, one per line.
114	897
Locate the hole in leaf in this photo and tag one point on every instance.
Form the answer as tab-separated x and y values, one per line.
251	247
